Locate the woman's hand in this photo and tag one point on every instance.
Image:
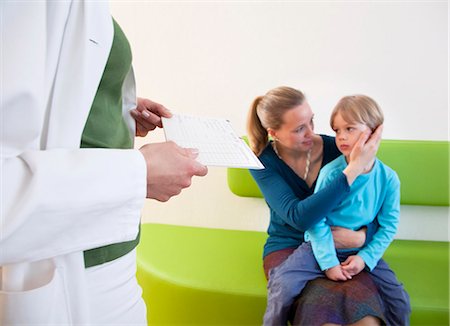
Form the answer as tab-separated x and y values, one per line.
148	116
363	153
346	238
353	265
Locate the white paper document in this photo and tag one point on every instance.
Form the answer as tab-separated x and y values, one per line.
215	139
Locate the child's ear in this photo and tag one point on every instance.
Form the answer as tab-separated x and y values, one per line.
272	133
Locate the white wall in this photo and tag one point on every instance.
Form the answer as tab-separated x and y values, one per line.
212	58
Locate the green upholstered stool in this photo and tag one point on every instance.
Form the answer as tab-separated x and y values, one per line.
197	276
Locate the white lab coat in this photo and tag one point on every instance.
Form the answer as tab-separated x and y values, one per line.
57	199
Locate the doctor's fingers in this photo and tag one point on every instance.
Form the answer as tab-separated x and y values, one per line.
174	161
176	183
147	120
163	193
196	167
167	162
153	107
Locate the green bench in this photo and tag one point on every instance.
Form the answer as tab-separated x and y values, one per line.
195	276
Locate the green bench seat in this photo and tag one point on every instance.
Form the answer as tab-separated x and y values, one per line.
198	276
201	276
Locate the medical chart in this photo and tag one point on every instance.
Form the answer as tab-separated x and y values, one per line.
215	139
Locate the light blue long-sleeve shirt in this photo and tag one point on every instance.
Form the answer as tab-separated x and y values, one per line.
372	195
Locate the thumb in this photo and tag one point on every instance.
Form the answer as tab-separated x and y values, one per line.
199	169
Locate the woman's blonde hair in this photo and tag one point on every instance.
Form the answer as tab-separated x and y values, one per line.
267	112
360	109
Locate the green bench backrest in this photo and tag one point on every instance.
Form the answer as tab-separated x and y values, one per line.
422	166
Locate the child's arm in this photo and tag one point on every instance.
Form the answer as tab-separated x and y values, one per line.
320	234
322	245
388	219
325	253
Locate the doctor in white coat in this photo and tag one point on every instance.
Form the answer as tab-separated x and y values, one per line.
58	200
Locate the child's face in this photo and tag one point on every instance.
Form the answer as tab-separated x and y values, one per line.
347	133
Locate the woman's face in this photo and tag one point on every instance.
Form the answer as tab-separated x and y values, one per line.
347	133
297	130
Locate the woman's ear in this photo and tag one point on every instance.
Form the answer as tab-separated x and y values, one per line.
272	133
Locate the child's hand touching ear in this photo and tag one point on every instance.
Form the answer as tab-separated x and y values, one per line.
353	265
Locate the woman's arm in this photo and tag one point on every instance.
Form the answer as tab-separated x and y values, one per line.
320	234
298	213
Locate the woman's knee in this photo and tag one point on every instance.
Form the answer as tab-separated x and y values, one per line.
366	321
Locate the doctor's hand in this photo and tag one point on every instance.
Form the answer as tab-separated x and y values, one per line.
148	116
170	169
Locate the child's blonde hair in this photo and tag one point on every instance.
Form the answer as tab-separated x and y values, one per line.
360	109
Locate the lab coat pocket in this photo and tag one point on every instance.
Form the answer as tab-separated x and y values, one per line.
43	305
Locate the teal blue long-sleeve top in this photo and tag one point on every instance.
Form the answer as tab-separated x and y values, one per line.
294	207
375	194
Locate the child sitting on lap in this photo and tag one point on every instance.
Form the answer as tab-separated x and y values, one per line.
373	195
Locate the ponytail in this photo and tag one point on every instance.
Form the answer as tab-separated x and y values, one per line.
257	134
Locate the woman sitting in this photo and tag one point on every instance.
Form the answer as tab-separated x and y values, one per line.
292	159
